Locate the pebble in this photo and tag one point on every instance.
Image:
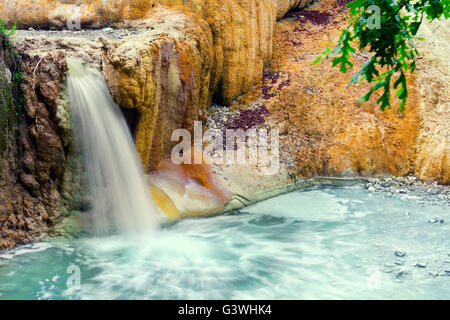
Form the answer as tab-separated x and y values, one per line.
434	274
400	253
421	264
402	273
400	186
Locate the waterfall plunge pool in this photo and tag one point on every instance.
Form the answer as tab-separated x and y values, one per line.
318	243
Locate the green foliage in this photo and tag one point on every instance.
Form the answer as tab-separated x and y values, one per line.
391	44
5	30
11	98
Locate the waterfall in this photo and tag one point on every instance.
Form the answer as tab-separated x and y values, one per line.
120	194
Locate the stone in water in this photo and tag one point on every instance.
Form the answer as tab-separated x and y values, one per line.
400	253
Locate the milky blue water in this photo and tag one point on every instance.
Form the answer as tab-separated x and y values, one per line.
320	243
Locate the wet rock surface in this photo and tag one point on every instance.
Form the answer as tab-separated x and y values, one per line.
400	253
40	174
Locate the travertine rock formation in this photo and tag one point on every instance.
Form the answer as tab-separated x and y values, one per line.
39	178
165	64
166	74
187	190
327	131
242	30
433	86
170	72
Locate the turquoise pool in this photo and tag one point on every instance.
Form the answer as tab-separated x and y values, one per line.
318	243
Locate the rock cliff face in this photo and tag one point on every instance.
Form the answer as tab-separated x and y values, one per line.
165	62
166	74
200	48
433	86
39	171
44	13
241	29
326	131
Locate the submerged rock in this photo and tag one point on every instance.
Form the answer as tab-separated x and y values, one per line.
400	253
187	189
435	220
434	274
402	274
421	264
399	262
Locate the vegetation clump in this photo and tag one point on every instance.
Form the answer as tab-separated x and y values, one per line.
11	100
386	29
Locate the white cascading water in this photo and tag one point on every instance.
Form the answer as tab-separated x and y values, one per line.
121	197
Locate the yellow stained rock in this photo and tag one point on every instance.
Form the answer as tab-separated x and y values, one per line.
165	74
194	49
193	190
197	49
163	201
242	30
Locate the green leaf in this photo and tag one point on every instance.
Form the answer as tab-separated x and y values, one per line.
366	97
13	29
391	47
414	27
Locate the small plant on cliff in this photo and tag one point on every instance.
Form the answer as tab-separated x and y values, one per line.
11	99
387	29
5	30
